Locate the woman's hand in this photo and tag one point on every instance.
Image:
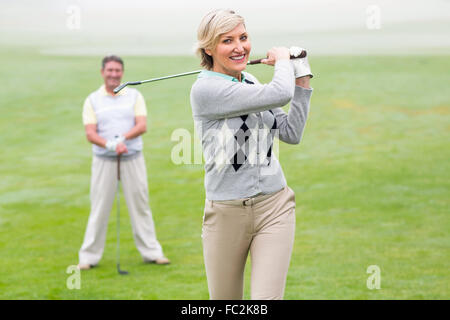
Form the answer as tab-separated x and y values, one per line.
301	65
275	54
302	70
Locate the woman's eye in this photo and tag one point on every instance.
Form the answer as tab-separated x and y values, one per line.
243	38
226	41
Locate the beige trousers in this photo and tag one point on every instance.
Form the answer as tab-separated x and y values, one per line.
133	177
265	226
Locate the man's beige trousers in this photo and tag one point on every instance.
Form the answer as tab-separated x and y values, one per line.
133	177
265	226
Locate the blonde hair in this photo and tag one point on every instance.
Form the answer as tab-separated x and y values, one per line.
213	25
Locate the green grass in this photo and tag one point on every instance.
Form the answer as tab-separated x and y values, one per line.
371	178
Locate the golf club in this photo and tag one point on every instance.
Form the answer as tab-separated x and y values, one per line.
122	272
135	83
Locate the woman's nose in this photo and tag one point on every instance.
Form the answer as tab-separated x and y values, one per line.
239	47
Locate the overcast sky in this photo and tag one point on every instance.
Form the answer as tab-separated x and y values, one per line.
163	27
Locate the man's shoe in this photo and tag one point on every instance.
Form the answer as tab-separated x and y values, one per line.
85	266
160	261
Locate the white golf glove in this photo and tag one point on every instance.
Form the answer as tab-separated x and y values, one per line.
301	65
111	145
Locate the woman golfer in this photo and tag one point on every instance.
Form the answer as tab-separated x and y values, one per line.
249	207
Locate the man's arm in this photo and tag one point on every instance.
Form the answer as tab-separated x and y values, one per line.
140	119
93	137
90	125
139	128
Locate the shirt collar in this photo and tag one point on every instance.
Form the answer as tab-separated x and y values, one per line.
106	93
209	73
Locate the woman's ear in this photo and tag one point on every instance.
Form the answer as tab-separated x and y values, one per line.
208	52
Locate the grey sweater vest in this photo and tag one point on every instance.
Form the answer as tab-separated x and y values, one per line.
115	116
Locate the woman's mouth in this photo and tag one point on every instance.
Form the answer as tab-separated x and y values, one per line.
238	59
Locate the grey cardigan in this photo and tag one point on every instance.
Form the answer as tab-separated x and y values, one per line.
237	123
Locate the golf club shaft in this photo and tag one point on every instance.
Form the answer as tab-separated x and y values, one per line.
118	219
118	213
135	83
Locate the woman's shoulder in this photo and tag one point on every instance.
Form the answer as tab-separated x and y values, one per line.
200	89
205	84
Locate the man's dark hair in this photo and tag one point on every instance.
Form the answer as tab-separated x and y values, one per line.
111	57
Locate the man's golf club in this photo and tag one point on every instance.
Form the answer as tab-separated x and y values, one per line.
135	83
118	218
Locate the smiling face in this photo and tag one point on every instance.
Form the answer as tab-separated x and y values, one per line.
231	53
112	74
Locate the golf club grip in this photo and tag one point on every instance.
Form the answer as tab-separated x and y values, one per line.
302	55
118	167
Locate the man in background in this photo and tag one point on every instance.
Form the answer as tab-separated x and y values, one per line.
114	124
